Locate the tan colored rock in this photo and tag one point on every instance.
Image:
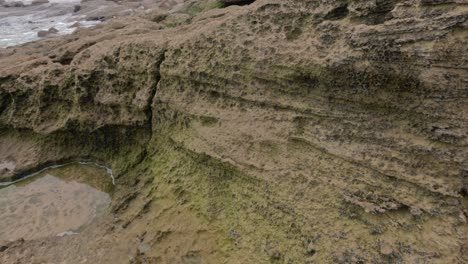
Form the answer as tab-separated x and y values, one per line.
386	248
75	25
278	120
46	33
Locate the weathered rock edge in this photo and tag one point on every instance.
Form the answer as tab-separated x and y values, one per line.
337	127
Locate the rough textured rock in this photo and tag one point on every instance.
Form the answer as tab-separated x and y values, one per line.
45	33
13	4
282	131
40	2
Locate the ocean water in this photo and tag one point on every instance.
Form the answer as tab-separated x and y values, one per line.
21	25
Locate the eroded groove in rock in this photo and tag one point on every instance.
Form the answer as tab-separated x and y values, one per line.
281	131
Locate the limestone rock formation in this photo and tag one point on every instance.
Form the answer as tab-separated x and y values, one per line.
45	33
284	131
13	4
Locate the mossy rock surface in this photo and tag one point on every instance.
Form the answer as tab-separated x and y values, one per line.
275	132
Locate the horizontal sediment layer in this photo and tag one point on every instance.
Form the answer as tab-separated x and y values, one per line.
280	131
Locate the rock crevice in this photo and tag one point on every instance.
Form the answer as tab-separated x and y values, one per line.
270	131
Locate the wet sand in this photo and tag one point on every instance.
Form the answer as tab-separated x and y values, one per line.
59	201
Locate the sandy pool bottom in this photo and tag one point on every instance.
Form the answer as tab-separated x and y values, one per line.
55	202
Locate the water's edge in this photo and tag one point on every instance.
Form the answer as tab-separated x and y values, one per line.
28	174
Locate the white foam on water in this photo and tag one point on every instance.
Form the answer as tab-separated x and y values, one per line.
67	233
21	25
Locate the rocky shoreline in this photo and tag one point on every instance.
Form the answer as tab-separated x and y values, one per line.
22	21
268	132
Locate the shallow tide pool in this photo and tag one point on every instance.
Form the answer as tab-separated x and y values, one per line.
56	202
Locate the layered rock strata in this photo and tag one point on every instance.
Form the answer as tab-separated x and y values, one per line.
280	131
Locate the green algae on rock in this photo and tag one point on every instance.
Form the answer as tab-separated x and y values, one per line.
276	132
